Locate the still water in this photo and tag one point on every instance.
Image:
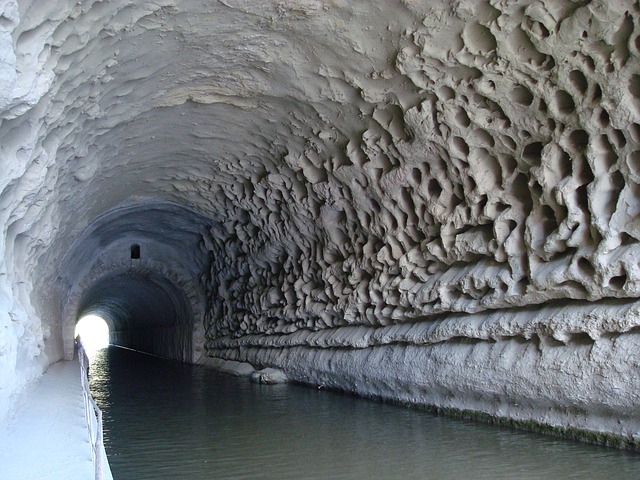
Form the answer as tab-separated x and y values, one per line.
167	420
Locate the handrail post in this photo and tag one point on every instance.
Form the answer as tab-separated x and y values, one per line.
92	412
99	448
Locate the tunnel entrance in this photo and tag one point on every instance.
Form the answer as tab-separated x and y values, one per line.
93	330
144	311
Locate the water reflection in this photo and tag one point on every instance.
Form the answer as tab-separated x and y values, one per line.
165	420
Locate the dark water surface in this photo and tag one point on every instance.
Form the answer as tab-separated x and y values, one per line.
167	420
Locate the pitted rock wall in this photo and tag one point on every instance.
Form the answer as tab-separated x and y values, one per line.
512	182
334	176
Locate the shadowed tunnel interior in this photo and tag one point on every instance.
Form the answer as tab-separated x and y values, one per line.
144	312
140	268
430	202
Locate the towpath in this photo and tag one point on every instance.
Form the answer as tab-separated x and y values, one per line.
47	436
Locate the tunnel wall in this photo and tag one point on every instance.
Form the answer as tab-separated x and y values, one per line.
388	197
536	368
484	278
167	342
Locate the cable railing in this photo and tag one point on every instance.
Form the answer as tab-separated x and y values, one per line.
93	414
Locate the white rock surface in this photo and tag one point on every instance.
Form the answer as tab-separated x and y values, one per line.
269	376
231	367
346	172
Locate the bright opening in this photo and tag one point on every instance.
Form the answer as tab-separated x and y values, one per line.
93	332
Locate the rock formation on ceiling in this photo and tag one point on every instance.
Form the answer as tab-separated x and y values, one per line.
427	201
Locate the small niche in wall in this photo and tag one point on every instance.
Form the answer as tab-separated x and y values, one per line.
135	252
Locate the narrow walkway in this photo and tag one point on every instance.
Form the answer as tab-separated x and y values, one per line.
47	437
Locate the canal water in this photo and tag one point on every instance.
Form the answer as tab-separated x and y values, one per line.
167	420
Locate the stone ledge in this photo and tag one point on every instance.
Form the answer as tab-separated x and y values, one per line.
588	391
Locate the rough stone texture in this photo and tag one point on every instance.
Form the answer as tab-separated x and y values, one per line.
269	376
231	367
440	184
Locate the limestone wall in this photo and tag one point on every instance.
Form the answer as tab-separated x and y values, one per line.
449	186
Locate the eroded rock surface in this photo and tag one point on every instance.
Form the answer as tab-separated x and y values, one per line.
330	175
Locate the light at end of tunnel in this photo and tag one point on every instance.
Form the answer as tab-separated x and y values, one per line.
93	332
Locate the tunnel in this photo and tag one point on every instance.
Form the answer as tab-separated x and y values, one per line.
426	202
140	271
144	312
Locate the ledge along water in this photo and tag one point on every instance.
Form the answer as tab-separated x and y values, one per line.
167	420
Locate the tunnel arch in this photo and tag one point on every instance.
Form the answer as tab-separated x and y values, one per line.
81	301
145	311
172	241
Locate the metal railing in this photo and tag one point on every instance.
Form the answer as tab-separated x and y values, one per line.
93	415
